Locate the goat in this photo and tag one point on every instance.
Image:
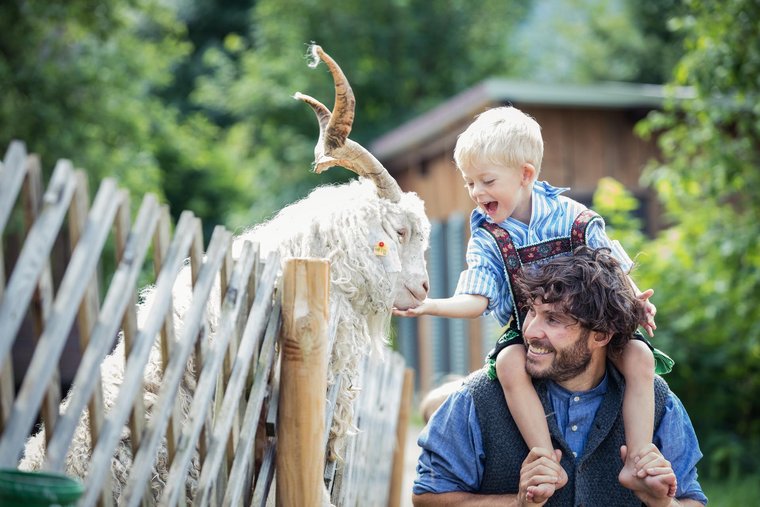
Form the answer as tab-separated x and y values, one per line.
375	237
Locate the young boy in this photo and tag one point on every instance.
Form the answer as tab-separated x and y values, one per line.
520	221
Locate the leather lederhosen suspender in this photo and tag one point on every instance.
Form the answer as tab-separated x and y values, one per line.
514	258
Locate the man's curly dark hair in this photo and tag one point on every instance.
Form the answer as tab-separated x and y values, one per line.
589	286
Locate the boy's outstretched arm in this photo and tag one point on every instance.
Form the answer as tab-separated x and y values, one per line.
461	306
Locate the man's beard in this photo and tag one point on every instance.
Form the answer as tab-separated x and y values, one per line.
566	364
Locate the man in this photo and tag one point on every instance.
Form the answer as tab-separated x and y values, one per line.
582	311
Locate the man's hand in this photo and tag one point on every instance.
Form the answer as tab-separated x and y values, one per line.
649	324
655	482
540	468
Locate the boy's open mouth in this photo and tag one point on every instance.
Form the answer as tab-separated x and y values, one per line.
491	207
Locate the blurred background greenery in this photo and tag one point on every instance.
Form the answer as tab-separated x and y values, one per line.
191	100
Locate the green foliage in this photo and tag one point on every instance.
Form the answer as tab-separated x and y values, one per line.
401	58
617	205
598	40
706	267
190	99
76	79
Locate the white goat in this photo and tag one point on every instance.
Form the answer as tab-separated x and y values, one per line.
374	236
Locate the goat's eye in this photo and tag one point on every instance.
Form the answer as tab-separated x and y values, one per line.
401	233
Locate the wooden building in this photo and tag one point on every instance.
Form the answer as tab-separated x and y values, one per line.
588	133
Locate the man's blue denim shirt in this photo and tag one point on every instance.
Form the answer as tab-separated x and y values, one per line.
452	447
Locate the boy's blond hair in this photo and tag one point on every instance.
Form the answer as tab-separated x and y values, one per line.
502	136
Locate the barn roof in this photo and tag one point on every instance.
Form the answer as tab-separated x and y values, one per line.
429	125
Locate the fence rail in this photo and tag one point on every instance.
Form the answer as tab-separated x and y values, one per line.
229	408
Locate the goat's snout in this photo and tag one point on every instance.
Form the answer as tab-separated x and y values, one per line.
420	292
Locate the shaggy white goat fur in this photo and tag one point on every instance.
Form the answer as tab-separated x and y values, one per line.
341	223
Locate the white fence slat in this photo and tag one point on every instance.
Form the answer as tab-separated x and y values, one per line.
194	320
266	474
50	345
203	396
88	309
11	180
242	461
100	464
34	255
254	329
273	401
119	295
128	319
384	439
32	192
364	477
42	301
332	391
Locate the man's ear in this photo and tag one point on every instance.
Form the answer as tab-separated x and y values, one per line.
528	173
599	340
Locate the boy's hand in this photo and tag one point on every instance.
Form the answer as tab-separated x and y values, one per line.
539	476
462	306
422	309
655	483
650	309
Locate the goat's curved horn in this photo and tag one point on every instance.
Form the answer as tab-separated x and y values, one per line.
334	147
321	110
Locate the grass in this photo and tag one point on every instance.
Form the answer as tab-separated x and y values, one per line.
734	492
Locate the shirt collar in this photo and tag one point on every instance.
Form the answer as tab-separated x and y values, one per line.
556	390
544	198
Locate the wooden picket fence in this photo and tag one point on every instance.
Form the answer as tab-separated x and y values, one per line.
251	382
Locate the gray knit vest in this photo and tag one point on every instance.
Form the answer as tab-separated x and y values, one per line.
592	479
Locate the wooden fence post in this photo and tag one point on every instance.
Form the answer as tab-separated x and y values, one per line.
303	383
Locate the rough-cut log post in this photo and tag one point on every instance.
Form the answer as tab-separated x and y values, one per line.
303	383
397	473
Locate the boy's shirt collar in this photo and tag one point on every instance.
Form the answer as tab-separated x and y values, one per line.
542	192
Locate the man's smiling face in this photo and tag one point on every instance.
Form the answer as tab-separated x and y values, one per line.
558	347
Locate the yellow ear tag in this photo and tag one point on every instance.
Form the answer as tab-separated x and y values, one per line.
380	249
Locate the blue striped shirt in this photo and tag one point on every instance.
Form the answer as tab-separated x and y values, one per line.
552	217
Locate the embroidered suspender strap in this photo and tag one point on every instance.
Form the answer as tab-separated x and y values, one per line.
511	259
515	258
580	225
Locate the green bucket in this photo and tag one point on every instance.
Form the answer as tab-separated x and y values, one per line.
38	489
